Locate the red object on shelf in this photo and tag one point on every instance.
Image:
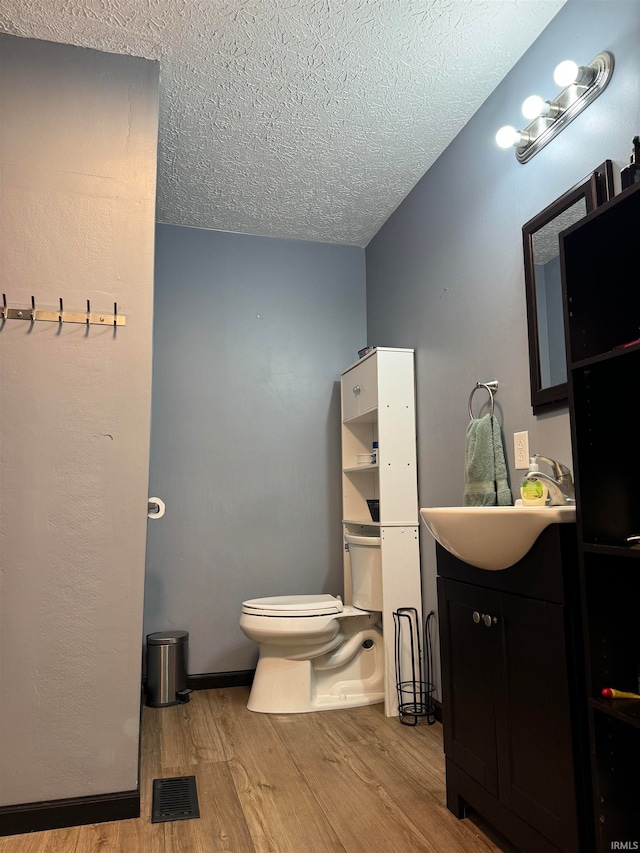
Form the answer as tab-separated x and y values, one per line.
610	693
629	344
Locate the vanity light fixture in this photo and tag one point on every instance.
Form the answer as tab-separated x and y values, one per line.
534	106
582	85
569	72
508	136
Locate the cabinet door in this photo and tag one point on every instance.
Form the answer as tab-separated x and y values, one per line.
360	388
533	720
469	651
368	382
350	394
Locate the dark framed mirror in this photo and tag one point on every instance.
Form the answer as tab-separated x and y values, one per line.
543	285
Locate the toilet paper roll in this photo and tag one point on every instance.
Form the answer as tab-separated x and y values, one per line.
156	508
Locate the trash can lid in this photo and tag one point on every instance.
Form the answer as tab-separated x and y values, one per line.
165	638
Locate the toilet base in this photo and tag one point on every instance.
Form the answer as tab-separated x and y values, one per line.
348	677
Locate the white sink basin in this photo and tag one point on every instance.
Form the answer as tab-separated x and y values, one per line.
492	537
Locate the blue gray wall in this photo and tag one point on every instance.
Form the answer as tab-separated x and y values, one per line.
445	273
250	337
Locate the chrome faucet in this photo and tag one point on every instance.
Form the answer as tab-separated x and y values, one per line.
561	489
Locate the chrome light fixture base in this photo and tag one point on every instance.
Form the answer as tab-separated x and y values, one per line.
565	107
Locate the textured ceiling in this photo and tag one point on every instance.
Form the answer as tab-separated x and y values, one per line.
310	119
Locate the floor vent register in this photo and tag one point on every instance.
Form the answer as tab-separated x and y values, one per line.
174	799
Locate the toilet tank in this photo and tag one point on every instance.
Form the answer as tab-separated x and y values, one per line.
366	571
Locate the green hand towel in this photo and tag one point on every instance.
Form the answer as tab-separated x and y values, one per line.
486	481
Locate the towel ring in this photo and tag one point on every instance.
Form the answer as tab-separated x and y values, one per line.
491	387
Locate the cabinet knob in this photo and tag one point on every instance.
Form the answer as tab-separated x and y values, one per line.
356	389
489	620
476	616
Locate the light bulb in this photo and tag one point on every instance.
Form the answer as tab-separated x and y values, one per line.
566	73
533	107
507	136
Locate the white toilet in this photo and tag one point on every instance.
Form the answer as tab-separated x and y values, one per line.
317	653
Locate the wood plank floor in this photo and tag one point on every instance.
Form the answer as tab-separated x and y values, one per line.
350	781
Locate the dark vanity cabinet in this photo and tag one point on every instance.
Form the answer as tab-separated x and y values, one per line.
601	285
513	699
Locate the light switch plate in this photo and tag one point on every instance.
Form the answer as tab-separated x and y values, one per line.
521	449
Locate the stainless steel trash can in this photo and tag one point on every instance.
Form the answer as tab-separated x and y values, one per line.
167	653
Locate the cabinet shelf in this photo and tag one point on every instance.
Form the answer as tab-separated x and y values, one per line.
369	417
368	523
353	468
610	355
611	550
625	710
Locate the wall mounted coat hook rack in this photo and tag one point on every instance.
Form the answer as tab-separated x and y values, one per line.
61	315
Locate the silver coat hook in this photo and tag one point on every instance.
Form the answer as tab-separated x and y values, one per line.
115	313
4	306
61	314
88	312
33	309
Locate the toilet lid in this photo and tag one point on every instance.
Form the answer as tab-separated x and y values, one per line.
293	605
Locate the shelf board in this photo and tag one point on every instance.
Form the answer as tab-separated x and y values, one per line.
628	551
626	710
369	417
369	523
604	356
355	468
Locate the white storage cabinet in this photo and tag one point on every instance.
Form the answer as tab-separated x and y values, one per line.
378	404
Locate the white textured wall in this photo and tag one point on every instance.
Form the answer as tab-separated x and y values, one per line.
78	143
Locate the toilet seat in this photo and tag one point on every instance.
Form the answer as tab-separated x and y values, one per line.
293	606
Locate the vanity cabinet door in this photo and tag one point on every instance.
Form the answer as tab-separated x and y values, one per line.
469	651
533	720
506	708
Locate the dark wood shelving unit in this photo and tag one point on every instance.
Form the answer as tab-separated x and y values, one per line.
618	352
601	295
